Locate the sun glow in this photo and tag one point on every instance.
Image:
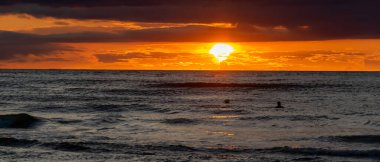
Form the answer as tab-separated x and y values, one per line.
221	51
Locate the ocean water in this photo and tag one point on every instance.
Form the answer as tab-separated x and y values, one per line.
185	116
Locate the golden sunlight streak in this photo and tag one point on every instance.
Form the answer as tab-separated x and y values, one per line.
221	51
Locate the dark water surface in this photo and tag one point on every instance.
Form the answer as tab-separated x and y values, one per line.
182	116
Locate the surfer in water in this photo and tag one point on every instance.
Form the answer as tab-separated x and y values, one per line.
279	105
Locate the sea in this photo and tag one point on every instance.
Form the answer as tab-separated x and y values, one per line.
101	115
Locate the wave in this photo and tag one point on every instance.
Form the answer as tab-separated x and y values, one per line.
94	107
180	121
229	111
140	92
93	147
79	89
63	146
308	159
213	106
371	154
224	85
70	146
96	120
106	107
109	119
65	121
374	154
147	108
291	118
77	108
370	139
13	142
17	121
97	107
152	149
245	85
50	108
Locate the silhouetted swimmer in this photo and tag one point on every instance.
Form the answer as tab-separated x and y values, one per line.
279	105
226	101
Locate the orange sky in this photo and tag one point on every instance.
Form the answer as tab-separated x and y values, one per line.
330	55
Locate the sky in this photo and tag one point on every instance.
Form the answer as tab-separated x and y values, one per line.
299	35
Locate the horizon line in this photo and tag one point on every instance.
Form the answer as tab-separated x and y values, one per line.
235	70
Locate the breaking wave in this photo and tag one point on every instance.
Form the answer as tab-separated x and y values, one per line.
152	149
370	139
180	121
225	85
375	154
17	121
291	118
246	85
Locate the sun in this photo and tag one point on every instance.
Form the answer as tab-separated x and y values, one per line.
221	51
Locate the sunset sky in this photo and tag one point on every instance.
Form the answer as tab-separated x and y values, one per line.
302	35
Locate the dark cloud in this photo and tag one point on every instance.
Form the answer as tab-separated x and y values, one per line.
327	18
61	23
112	58
185	34
88	3
51	60
24	60
17	45
174	34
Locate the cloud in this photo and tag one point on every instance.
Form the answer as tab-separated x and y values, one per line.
325	19
192	33
38	59
314	57
372	62
300	55
375	64
61	23
113	58
16	46
88	3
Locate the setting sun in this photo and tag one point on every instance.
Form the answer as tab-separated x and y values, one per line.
221	51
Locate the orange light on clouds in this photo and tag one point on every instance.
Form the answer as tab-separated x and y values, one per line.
329	55
337	55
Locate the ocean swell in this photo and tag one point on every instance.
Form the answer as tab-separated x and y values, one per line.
17	121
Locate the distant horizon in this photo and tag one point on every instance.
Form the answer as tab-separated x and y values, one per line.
187	70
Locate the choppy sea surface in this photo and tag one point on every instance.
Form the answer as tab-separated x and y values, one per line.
190	116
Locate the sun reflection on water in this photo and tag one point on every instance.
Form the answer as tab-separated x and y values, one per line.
224	133
224	116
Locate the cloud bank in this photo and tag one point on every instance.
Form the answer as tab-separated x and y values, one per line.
325	19
16	45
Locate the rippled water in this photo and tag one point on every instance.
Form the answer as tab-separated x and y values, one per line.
183	116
